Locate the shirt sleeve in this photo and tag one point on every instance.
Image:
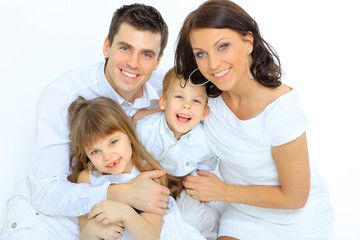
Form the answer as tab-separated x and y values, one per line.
49	166
288	121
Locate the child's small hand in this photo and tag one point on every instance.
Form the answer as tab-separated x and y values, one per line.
110	231
109	211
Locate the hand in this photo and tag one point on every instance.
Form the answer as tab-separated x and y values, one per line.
143	193
110	212
95	230
205	187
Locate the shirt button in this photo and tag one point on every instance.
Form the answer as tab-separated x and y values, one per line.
37	213
14	225
187	164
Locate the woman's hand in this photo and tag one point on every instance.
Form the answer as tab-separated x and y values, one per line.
96	230
205	187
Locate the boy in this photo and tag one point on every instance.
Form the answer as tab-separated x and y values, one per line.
175	138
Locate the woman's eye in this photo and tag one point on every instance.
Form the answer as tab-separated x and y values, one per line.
95	152
200	54
223	46
113	142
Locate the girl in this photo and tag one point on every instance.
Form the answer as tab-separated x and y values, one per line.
256	126
107	150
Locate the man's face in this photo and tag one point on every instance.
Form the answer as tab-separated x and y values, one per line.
132	57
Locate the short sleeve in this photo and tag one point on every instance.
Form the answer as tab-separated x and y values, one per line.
288	121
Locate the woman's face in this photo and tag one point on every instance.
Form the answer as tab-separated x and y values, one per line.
221	56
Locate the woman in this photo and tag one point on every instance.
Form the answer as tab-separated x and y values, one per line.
256	126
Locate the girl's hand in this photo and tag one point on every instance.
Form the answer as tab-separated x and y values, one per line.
95	230
205	187
107	211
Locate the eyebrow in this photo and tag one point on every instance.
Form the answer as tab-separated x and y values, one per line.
213	44
128	45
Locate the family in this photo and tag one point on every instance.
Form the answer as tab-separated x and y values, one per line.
125	152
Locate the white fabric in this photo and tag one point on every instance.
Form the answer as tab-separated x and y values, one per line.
51	193
173	227
178	157
244	150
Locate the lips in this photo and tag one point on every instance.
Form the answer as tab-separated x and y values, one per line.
221	73
129	75
183	117
113	164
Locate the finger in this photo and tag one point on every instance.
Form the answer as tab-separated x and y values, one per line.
204	173
189	185
117	235
191	179
165	194
153	174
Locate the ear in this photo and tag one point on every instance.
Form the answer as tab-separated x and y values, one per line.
106	48
162	102
158	62
206	112
249	39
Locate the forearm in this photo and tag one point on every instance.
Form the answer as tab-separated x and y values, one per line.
263	196
56	196
141	228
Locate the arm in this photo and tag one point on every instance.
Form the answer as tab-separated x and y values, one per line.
140	226
91	229
292	163
143	113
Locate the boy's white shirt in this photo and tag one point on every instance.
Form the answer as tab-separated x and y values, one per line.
178	157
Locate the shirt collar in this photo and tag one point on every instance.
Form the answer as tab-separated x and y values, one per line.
166	131
149	92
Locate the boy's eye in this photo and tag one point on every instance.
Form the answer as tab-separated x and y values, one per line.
197	101
113	142
178	96
95	152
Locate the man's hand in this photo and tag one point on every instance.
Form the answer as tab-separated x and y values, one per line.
143	113
142	192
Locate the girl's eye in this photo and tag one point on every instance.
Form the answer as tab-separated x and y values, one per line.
223	46
95	152
113	142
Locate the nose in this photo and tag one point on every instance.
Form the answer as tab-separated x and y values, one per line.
186	105
133	61
107	155
213	62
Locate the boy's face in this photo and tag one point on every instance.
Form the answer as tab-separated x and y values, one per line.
184	107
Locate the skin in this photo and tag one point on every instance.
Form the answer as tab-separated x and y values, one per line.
184	107
132	57
113	155
221	55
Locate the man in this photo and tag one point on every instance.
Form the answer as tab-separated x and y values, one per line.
133	50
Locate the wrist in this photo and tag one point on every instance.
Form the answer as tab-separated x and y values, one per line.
116	192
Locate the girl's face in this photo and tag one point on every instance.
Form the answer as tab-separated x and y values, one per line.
111	154
221	56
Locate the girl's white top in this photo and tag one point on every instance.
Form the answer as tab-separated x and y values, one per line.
244	151
173	227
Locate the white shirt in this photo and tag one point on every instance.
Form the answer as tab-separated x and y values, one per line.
178	157
244	150
49	165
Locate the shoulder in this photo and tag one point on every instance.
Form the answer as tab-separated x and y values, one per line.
150	121
157	79
84	176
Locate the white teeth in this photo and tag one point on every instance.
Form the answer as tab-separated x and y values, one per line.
129	74
180	115
222	73
114	163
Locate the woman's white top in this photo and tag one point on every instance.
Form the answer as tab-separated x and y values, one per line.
173	227
244	151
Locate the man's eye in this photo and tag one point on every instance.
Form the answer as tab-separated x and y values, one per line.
147	55
223	46
124	48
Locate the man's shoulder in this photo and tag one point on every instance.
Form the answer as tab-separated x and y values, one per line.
157	79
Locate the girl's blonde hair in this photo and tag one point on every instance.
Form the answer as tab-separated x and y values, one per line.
92	120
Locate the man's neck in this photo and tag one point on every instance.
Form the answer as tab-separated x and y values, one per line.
131	96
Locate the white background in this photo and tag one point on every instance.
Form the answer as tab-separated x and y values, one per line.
317	41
